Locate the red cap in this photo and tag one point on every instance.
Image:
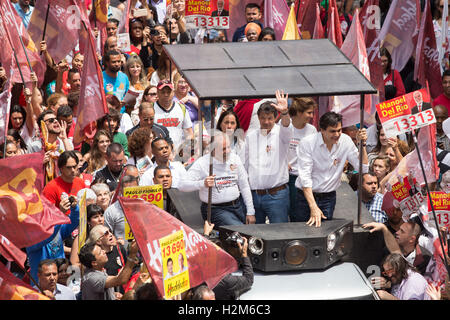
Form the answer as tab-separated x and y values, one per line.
164	83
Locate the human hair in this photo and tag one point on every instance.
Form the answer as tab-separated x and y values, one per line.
65	156
252	5
127	179
227	113
99	187
398	263
149	87
42	115
86	256
19	109
3	147
300	105
147	292
46	262
159	168
72	71
200	292
60	261
145	105
114	147
446	73
415	230
17	137
115	21
370	173
142	76
385	159
73	98
92	210
267	107
162	70
64	111
138	140
113	101
96	160
109	53
330	119
113	114
159	139
385	52
53	99
267	31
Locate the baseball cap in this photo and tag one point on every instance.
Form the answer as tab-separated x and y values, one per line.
164	83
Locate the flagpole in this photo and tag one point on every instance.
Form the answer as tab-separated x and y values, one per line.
360	175
45	23
211	167
429	199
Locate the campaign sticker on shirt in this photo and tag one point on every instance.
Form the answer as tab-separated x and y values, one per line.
336	162
233	167
109	88
222	183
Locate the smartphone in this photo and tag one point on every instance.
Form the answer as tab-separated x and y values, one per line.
140	13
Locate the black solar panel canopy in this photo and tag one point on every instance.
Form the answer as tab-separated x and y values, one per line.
245	70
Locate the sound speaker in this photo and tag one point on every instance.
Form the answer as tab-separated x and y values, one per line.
294	245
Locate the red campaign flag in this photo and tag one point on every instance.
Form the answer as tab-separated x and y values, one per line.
124	26
334	24
61	34
12	288
370	23
318	33
12	30
306	17
276	15
92	102
10	252
354	48
206	261
400	30
5	105
426	67
26	217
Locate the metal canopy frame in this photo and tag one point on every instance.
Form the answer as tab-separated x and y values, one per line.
237	70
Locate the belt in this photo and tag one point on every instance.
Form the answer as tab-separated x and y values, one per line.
321	195
225	204
271	191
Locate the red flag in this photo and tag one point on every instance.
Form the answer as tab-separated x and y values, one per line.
26	217
99	16
426	65
370	23
276	13
318	33
306	16
354	48
12	288
92	103
14	30
334	24
124	26
5	105
206	262
11	252
61	34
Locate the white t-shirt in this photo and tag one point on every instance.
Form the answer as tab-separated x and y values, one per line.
177	170
297	135
175	120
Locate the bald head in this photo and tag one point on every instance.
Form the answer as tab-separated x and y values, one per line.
441	114
221	146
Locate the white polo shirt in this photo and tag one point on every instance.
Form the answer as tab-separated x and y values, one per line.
266	157
231	181
321	169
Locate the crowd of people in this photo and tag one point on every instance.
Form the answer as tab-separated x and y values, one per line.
271	165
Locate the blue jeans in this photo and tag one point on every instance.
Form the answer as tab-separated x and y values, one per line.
292	197
275	207
325	202
225	215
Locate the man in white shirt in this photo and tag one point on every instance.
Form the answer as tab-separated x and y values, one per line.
162	151
172	115
301	112
228	184
266	161
321	161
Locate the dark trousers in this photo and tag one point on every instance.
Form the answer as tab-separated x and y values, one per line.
325	201
225	215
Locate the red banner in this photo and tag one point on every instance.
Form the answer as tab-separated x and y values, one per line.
10	252
334	25
276	13
306	17
205	261
61	33
12	30
26	218
12	288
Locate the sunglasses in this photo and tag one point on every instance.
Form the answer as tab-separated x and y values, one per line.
151	94
107	232
51	120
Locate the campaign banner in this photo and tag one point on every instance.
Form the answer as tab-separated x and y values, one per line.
406	113
82	227
441	204
409	199
152	194
214	14
175	268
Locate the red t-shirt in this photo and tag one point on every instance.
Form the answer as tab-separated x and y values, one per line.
443	100
55	188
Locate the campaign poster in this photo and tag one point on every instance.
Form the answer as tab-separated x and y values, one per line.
406	113
152	194
214	14
441	204
409	198
82	228
174	263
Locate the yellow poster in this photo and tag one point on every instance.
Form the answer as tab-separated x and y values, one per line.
152	194
82	228
174	262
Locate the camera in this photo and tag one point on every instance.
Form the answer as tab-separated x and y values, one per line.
235	238
154	32
72	200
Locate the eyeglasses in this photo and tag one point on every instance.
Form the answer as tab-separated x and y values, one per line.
51	120
107	232
151	94
388	272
